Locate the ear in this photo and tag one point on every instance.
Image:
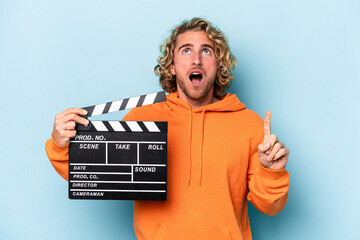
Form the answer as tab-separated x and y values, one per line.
172	69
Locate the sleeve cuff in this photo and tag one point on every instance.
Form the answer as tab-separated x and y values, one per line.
55	151
272	174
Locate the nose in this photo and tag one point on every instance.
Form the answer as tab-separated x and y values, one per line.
197	60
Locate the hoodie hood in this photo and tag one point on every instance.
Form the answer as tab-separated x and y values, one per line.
228	103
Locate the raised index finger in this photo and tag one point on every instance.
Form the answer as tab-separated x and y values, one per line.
267	126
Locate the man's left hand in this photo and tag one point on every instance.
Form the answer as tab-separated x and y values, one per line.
272	153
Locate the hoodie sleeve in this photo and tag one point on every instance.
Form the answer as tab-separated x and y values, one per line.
268	189
59	157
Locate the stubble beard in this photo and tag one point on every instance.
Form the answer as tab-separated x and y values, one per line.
197	95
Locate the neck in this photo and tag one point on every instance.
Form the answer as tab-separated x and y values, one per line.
196	103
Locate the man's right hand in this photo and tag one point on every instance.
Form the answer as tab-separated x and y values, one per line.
64	125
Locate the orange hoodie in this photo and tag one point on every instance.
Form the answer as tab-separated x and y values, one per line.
213	168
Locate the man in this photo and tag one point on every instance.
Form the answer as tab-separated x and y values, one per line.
219	152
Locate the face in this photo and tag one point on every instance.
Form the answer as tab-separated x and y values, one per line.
194	66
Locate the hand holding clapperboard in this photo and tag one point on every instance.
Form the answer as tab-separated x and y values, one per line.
116	159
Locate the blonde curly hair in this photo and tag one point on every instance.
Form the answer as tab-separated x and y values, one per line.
225	60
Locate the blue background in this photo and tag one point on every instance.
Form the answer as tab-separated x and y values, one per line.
299	59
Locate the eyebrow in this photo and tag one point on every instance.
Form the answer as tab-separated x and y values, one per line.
191	45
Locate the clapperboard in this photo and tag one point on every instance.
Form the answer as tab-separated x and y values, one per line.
124	160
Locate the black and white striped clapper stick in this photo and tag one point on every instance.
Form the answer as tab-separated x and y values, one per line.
119	159
126	103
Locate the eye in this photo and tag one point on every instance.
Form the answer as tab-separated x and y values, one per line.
206	51
186	51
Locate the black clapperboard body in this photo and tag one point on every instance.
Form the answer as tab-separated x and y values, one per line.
120	160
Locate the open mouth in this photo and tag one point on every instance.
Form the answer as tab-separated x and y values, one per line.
195	77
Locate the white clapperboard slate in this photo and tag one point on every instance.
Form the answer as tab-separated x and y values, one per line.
120	160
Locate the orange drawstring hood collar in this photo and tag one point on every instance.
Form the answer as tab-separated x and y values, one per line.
228	103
